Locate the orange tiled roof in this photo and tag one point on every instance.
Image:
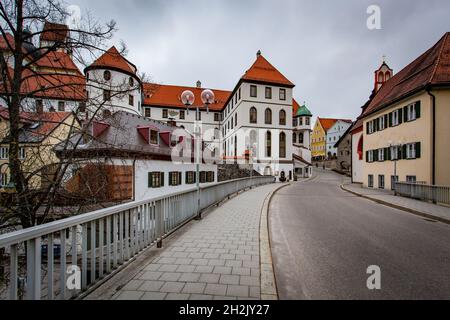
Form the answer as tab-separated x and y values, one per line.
295	106
54	32
263	71
58	60
113	59
431	68
170	96
327	123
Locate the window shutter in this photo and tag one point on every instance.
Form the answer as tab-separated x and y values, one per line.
400	116
179	178
404	154
186	179
418	109
376	123
390	119
161	177
418	151
375	155
405	114
367	127
195	177
213	176
367	156
150	183
388	154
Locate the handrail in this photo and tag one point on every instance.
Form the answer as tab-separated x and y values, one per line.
105	239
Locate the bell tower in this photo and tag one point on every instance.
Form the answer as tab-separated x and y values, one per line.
382	75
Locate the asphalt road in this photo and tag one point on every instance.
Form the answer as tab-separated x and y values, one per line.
324	239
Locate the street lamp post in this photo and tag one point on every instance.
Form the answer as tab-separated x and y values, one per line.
397	146
188	98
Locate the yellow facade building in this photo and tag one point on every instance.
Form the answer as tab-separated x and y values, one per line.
406	128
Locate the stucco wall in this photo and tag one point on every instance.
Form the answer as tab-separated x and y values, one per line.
409	132
442	137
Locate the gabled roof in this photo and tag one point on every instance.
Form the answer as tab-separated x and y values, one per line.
263	71
114	60
430	69
54	32
36	126
327	123
170	96
58	60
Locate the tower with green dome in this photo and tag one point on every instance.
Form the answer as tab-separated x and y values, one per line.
301	139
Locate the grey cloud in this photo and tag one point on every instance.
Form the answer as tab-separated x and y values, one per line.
322	46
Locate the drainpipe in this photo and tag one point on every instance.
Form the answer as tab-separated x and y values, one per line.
433	110
134	179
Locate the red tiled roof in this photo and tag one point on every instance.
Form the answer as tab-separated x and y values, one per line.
327	123
431	68
52	85
113	59
54	32
49	121
295	106
58	60
263	71
7	42
170	96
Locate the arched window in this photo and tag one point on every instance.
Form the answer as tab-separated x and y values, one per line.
387	76
380	77
107	75
294	138
268	116
300	138
282	145
282	118
268	144
253	115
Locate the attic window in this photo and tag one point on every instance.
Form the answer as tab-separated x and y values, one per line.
131	81
107	75
154	137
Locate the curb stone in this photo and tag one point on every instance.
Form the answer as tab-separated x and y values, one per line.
268	283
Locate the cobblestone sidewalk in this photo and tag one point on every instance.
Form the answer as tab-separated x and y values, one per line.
216	258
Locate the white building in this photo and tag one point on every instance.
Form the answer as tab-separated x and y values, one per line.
335	133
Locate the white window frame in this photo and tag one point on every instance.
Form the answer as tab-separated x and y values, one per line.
3	179
381	155
395	118
371	127
411	151
411	112
4	153
370	156
394	153
382	123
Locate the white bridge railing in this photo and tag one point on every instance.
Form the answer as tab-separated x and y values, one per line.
424	192
48	261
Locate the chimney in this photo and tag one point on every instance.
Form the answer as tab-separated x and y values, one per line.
199	84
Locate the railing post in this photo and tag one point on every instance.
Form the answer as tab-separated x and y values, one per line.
159	223
34	269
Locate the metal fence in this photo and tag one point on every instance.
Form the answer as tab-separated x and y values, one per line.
45	261
424	192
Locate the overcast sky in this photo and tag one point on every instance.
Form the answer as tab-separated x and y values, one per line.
324	47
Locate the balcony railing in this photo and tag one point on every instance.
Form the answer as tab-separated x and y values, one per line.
424	192
44	262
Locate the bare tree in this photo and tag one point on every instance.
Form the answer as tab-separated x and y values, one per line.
38	179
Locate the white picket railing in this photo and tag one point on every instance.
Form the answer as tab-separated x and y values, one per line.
95	244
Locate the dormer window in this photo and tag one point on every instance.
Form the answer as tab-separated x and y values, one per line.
154	137
107	75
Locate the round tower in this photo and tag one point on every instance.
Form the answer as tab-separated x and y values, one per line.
302	128
113	85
